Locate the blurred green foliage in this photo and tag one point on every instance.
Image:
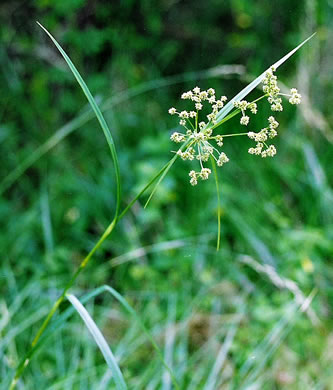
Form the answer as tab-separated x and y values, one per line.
278	212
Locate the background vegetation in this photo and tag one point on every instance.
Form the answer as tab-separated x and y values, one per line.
234	319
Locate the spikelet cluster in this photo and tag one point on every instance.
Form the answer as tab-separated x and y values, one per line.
271	89
262	136
243	105
200	144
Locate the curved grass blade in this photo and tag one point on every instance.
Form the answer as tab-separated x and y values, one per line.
218	204
217	370
98	114
142	251
60	322
242	94
100	341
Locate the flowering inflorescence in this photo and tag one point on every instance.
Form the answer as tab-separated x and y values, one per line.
262	136
243	105
198	140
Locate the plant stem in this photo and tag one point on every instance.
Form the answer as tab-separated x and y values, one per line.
232	135
26	359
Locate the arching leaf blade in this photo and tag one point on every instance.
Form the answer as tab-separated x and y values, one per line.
97	112
243	93
100	341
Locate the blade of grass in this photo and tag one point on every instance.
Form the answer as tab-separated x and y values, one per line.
46	220
77	376
107	232
242	94
137	253
98	114
100	341
262	353
61	320
221	357
170	336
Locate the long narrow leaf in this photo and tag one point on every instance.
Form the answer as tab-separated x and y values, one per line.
100	341
97	112
242	94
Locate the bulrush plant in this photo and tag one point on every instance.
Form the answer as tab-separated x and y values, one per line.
199	139
200	142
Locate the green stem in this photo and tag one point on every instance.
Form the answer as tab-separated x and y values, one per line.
189	121
26	359
231	135
260	98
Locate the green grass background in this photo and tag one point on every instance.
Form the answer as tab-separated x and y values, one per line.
223	320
